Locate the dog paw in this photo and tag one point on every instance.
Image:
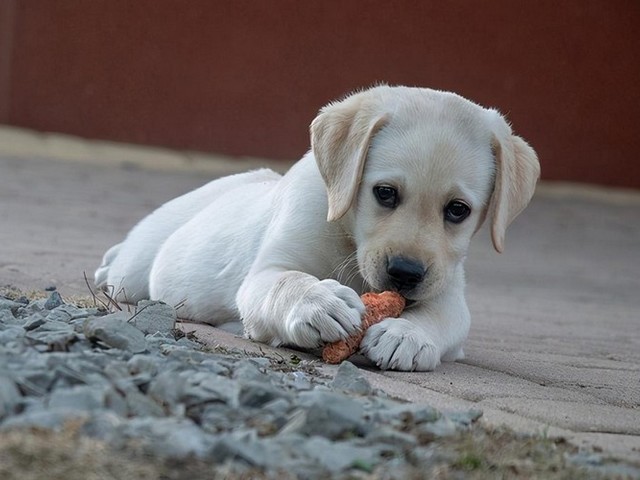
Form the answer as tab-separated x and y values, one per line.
398	344
327	312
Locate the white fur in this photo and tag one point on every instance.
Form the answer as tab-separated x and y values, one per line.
290	255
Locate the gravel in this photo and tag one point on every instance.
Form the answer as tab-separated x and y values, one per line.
132	378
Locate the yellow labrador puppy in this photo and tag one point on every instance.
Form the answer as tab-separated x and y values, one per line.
396	183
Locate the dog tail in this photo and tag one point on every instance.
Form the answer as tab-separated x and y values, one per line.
101	276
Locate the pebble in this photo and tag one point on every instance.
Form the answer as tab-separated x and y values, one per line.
115	331
126	378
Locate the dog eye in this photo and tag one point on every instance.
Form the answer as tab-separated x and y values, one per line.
456	211
386	196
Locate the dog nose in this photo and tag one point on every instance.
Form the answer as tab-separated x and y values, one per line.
404	273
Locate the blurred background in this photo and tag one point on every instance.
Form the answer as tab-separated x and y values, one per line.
245	78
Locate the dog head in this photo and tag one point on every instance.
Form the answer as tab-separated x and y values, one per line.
413	173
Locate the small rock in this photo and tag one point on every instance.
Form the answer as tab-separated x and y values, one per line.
35	380
349	379
6	304
11	333
255	394
408	414
244	446
328	414
140	405
298	381
102	424
167	389
9	396
391	436
248	370
79	398
34	306
66	313
34	321
167	437
152	316
443	427
142	364
466	417
7	318
114	330
336	457
54	300
46	419
57	335
205	387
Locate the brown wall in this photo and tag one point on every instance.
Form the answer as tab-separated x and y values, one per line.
247	77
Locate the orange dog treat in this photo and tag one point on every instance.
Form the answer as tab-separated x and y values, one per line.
379	306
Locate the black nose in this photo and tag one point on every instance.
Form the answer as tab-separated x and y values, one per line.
405	274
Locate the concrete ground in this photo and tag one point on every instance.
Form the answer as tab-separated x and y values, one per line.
554	347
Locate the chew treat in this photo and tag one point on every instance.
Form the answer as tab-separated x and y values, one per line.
379	306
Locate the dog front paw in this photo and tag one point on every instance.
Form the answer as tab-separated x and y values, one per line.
398	344
327	312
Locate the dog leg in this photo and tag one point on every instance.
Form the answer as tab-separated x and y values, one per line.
424	336
295	308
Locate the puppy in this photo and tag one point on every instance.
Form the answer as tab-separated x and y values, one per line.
397	182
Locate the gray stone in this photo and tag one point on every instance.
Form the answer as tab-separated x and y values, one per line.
88	398
103	425
10	305
214	366
255	394
34	321
33	306
298	381
185	342
49	419
338	456
11	333
168	389
168	437
9	396
158	342
244	446
205	387
391	436
35	381
140	405
248	370
443	427
465	418
328	414
114	330
142	364
7	318
407	414
54	300
261	362
153	316
278	406
192	357
57	335
349	379
68	312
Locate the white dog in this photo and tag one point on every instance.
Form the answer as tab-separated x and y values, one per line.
396	183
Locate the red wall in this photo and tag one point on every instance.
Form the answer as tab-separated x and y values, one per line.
247	77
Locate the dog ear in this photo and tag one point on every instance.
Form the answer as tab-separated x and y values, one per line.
340	137
516	175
